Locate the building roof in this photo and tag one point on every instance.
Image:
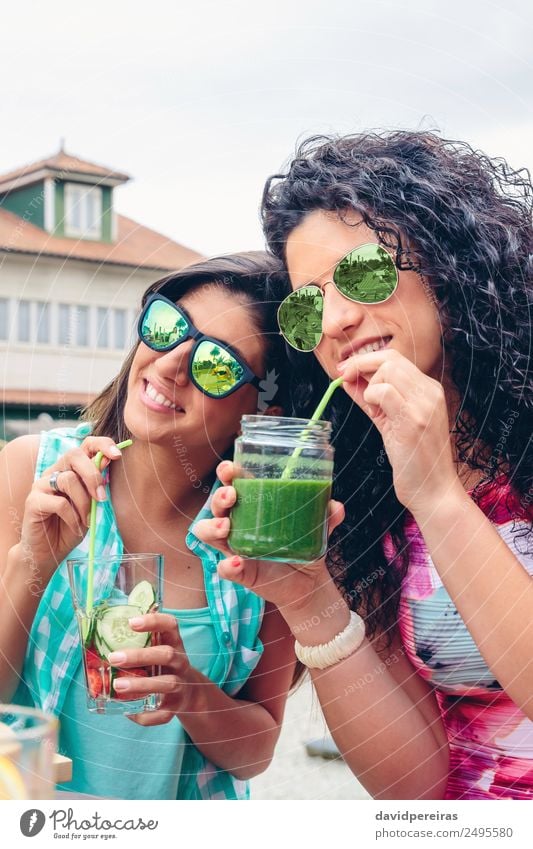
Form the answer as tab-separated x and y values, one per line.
61	165
136	246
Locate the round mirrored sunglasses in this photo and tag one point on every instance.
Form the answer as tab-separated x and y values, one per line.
366	275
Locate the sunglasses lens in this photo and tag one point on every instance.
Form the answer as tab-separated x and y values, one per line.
366	275
162	325
300	318
215	370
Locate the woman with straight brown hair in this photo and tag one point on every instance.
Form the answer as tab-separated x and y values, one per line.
207	352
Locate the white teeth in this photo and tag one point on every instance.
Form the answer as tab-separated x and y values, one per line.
373	346
156	396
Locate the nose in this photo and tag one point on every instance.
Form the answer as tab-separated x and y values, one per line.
174	365
339	313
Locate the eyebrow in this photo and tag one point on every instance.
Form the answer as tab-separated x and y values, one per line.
230	345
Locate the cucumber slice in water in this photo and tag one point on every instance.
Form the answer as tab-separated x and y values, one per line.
143	596
113	630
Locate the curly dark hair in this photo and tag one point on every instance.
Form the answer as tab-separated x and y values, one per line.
463	221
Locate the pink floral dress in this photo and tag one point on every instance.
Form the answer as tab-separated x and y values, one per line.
490	738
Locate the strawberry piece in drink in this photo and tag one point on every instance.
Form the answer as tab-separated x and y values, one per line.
98	680
128	673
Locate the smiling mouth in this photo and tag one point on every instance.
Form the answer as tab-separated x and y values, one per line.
377	345
159	398
374	346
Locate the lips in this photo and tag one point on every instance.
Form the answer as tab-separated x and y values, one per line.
364	346
157	400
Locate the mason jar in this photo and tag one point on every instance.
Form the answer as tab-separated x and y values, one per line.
283	478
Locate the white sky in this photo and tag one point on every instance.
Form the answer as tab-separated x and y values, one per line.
200	101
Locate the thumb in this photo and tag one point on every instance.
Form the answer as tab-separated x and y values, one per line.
336	514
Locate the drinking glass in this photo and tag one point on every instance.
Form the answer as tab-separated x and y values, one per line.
120	588
28	741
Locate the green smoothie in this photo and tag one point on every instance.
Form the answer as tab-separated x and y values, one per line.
282	520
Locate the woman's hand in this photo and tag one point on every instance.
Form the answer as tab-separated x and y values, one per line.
170	655
409	410
289	586
55	522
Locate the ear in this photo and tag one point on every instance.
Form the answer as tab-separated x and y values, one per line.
273	411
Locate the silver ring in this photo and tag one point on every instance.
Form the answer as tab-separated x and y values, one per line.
53	481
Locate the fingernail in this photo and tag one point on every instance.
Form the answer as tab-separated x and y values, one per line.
121	684
88	519
224	495
342	366
135	622
220	523
116	452
235	562
116	657
101	493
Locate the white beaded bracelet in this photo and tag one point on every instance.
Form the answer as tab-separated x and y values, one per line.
341	646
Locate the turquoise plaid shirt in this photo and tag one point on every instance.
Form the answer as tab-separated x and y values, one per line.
53	652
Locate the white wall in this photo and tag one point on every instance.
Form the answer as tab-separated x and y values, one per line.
59	367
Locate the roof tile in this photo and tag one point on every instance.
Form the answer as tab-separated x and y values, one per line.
135	246
65	164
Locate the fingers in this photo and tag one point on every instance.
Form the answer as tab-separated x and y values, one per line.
386	397
367	364
80	461
41	505
239	571
162	623
84	467
137	687
93	444
226	472
161	655
70	485
215	533
223	500
154	717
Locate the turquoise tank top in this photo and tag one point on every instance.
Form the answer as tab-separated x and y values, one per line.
113	756
228	645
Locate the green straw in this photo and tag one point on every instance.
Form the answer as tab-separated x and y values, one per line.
92	533
314	418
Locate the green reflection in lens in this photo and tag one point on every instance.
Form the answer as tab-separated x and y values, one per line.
367	275
300	318
215	370
163	325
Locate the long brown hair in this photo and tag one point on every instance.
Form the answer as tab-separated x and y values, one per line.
255	276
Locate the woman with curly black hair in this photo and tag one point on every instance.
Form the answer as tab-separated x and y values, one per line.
411	265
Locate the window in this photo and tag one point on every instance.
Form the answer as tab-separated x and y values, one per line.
82	326
83	211
23	321
102	327
120	328
64	324
4	318
43	322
